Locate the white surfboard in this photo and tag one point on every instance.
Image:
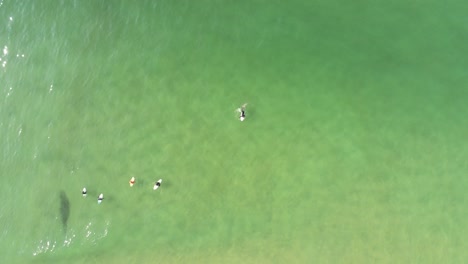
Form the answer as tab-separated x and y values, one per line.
157	184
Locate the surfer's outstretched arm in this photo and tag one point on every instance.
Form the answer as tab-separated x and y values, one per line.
242	108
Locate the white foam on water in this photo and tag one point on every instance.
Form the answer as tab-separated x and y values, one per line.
90	234
94	234
45	246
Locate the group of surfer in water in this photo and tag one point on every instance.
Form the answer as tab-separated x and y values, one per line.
84	192
157	184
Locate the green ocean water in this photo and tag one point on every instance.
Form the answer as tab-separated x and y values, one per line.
354	149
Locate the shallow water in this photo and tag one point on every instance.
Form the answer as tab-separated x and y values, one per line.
353	151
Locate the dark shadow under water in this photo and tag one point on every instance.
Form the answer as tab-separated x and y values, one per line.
64	210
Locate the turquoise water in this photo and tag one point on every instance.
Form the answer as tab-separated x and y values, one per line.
353	151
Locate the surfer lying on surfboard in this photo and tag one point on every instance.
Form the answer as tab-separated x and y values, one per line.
241	111
157	184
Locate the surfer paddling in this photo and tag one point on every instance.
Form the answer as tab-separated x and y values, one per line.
84	192
132	181
157	184
100	198
241	111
